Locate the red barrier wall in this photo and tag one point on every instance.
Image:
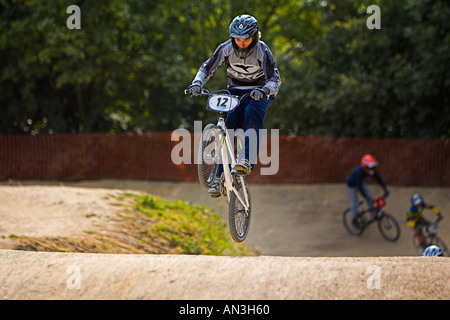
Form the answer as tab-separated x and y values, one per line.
66	157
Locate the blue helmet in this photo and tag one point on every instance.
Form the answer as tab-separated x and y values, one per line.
417	199
244	26
433	251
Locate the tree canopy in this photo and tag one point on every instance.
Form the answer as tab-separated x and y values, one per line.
127	67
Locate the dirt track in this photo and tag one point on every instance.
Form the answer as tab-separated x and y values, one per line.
37	275
298	226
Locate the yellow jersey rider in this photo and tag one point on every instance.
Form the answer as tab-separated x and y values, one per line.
415	216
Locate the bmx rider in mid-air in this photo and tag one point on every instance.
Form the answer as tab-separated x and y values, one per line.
251	68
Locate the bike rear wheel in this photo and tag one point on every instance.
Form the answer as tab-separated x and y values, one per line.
238	218
208	156
388	227
347	219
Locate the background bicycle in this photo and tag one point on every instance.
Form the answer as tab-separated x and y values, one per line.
427	236
387	224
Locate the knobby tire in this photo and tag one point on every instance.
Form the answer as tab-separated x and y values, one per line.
389	227
347	220
206	172
238	219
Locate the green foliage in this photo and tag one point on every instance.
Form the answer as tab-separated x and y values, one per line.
352	81
126	69
194	229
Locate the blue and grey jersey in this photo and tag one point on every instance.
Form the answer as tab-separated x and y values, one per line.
256	71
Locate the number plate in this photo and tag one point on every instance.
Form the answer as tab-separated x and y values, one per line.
380	202
222	102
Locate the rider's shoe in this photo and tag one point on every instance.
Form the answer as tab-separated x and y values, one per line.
373	214
214	191
356	223
244	168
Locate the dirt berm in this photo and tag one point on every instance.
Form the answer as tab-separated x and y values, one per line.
306	253
40	275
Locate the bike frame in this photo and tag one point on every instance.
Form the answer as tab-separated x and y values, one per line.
226	149
376	212
425	232
368	216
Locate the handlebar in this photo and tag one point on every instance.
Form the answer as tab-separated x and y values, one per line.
378	203
205	92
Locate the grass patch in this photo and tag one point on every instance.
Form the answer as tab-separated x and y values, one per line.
193	229
145	224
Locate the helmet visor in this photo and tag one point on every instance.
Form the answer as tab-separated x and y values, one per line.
243	36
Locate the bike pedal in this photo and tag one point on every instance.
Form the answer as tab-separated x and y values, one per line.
214	195
239	173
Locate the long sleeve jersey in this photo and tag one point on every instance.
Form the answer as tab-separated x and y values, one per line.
414	214
255	71
356	179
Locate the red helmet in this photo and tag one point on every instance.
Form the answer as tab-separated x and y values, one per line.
368	163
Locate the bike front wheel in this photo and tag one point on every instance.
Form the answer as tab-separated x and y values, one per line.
431	241
238	217
208	156
388	227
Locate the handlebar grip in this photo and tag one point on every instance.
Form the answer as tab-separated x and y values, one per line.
203	92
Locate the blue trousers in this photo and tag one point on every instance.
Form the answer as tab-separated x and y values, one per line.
250	114
353	193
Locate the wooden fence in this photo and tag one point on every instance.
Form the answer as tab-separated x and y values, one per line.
295	159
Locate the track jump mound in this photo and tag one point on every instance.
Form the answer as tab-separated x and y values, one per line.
287	227
43	275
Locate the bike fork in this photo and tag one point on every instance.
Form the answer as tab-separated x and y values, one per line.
231	183
246	204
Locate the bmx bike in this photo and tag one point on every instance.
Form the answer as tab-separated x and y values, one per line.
216	148
387	224
429	237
